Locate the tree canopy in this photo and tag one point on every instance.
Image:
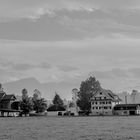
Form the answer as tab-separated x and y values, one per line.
39	105
57	101
87	90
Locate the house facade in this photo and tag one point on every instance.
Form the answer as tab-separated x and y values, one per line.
127	109
103	101
8	103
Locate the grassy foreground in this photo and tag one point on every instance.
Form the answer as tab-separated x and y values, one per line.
70	128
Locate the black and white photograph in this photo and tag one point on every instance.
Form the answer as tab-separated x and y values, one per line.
69	69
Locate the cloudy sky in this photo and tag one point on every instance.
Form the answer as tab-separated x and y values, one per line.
67	40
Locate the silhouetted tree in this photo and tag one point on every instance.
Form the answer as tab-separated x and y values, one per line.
57	105
57	101
87	90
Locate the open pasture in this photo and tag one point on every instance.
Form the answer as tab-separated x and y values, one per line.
70	128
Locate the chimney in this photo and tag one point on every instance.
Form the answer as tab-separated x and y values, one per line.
125	99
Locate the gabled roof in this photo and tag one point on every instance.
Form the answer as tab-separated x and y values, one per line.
110	94
9	97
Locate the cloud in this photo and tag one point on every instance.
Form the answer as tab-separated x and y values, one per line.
74	25
44	65
111	74
67	68
135	72
35	8
22	66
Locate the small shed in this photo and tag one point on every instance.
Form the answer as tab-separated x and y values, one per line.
55	110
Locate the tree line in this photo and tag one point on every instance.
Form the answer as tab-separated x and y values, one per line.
39	104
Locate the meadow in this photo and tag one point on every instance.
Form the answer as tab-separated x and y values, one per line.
70	128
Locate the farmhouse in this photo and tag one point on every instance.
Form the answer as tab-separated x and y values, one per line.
103	101
127	109
8	103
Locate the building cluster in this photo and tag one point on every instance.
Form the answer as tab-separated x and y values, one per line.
103	102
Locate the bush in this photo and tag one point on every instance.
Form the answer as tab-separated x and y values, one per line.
59	113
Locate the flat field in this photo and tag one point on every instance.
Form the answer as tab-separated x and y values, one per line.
70	128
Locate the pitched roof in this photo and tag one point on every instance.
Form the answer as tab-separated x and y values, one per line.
2	94
127	105
110	94
9	97
56	108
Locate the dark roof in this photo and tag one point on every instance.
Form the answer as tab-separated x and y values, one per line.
56	108
2	95
9	97
110	94
127	105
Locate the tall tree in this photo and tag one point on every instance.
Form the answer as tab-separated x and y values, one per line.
57	101
87	90
37	94
24	94
39	104
26	104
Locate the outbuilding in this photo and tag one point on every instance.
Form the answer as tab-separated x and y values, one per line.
127	109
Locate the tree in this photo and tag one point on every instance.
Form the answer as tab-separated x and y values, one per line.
26	104
57	101
39	104
37	94
87	90
24	94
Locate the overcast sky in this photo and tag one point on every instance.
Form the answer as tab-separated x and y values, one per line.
66	40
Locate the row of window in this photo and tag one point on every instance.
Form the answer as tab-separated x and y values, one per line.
107	102
99	113
105	107
99	98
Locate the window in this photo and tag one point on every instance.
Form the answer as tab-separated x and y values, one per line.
106	102
93	103
104	97
96	107
96	103
100	93
105	107
93	108
109	102
103	102
100	107
110	107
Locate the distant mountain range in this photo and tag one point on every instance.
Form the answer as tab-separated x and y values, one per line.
130	98
47	89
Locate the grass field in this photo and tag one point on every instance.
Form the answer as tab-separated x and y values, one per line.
70	128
